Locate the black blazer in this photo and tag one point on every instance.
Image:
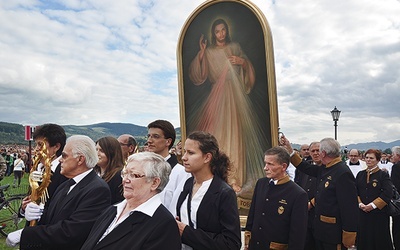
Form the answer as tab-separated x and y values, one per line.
116	189
218	225
395	175
138	231
56	179
67	221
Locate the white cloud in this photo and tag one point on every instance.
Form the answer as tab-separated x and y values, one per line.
82	62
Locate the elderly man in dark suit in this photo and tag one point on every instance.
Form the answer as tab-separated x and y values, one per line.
336	205
76	204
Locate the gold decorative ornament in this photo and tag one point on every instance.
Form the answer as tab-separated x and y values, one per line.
281	209
326	184
39	180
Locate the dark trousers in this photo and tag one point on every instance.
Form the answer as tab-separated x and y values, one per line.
327	246
310	241
396	232
10	169
17	177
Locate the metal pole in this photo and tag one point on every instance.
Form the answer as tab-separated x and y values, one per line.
28	169
335	130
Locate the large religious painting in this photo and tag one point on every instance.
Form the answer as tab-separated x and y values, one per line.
227	86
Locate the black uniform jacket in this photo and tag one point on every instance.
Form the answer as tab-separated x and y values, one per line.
336	203
395	175
278	215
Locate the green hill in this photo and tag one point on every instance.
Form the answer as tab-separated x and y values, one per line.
12	133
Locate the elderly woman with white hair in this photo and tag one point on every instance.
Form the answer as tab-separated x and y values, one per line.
140	221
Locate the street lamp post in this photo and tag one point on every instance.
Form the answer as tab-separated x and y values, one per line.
335	116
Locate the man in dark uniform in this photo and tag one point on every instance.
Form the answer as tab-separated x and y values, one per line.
299	177
395	176
336	205
278	213
309	184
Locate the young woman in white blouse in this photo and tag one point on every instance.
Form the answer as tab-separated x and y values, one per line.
207	213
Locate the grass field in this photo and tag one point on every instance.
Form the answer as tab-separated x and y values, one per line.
11	191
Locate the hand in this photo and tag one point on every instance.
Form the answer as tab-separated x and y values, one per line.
368	208
25	202
365	208
202	42
284	142
14	238
310	206
235	60
181	225
203	46
36	176
33	211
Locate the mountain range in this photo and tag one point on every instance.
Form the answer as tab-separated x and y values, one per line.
12	133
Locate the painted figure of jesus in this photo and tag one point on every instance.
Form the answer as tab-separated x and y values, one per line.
227	111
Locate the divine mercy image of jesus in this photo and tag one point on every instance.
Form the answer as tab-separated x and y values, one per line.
227	87
227	112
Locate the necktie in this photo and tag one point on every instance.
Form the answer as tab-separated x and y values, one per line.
65	190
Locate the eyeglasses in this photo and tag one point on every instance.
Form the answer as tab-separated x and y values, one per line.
131	176
154	136
124	144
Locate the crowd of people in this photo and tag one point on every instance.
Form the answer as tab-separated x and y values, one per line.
109	194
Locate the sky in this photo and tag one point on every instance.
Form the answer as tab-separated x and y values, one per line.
81	62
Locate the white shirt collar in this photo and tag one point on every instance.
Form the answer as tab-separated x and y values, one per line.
274	181
167	157
79	177
149	207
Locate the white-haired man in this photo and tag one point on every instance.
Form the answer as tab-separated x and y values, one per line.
67	221
336	204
